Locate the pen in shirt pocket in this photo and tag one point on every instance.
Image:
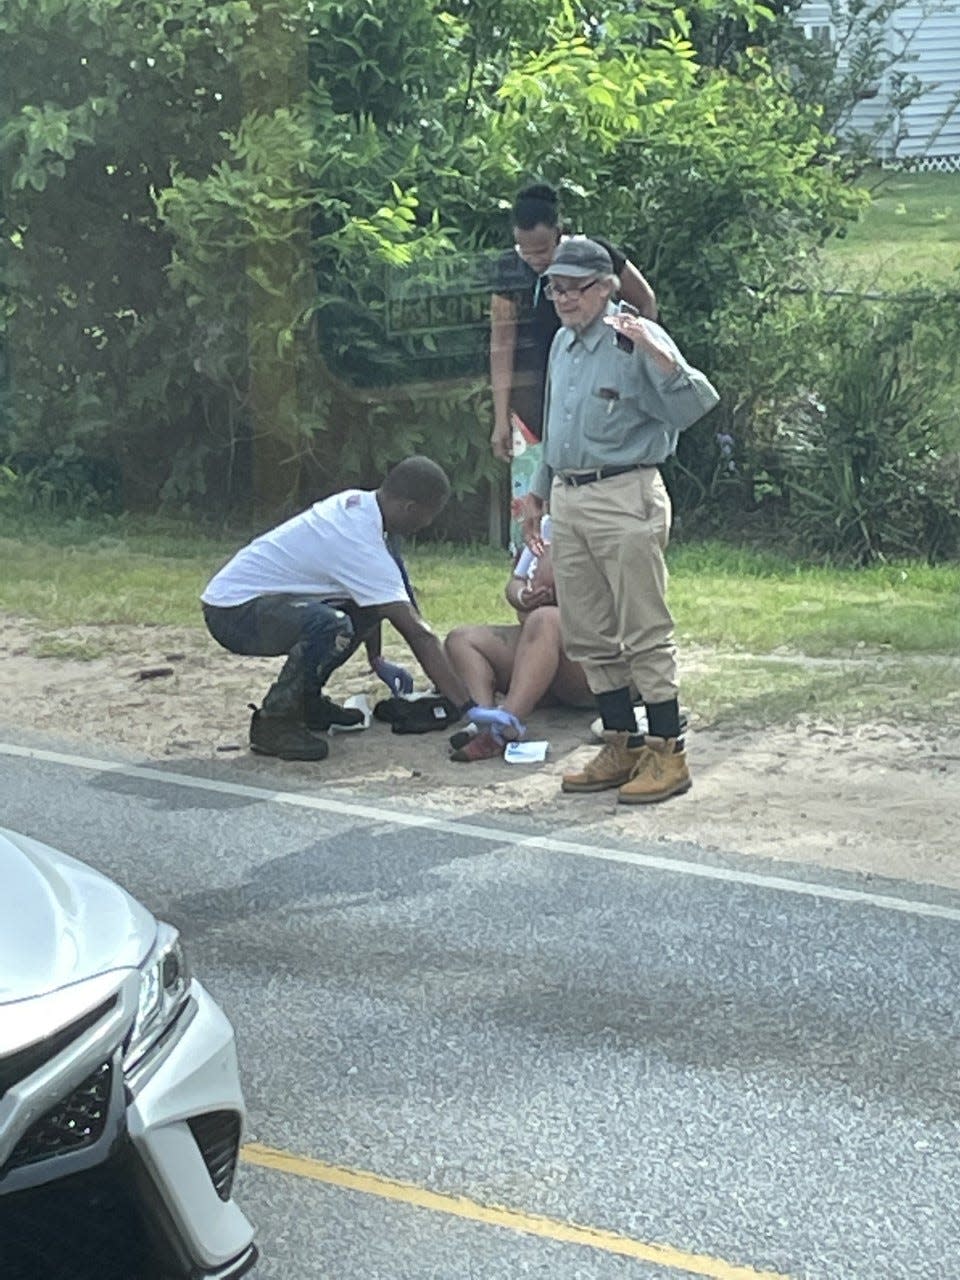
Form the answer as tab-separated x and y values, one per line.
611	395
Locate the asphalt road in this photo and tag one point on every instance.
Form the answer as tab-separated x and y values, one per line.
706	1065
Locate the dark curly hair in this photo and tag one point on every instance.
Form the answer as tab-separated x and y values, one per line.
417	479
535	205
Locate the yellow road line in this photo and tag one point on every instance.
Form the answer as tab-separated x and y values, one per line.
495	1216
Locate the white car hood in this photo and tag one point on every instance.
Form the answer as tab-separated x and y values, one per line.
62	922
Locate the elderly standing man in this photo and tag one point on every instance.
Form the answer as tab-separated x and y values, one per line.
618	395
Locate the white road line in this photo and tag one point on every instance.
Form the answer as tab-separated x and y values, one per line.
494	835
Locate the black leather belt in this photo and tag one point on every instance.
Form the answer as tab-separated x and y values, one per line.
602	473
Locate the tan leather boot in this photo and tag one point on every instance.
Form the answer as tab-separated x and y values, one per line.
659	773
611	766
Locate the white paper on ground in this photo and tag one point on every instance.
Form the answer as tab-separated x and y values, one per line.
358	700
525	752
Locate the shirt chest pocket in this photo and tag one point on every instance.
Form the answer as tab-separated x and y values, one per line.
609	414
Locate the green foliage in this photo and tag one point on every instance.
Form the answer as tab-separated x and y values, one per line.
303	198
846	439
870	51
864	465
849	54
96	96
8	485
149	571
382	60
713	180
242	241
64	480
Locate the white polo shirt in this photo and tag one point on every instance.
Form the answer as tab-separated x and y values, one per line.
335	550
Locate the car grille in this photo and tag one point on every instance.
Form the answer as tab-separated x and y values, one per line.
17	1066
77	1121
82	1228
217	1134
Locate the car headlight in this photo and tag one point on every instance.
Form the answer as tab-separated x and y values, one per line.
164	990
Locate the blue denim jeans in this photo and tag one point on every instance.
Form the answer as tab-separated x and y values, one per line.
316	636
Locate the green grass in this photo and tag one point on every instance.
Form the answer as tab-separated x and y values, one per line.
67	649
152	572
69	587
762	639
912	227
742	600
70	573
762	603
759	692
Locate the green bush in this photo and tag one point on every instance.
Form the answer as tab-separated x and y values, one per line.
215	211
850	439
97	97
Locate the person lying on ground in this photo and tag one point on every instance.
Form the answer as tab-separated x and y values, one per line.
525	662
319	585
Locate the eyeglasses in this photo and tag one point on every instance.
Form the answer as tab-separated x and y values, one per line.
552	290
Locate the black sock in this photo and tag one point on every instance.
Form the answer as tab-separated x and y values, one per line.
663	719
616	711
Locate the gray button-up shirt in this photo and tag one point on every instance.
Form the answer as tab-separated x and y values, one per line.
606	407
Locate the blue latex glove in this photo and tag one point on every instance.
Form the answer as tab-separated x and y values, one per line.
496	720
397	679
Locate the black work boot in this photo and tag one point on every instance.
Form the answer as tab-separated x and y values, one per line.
322	712
285	737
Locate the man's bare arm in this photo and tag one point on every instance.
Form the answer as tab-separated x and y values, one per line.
635	289
533	509
428	651
525	596
374	644
503	341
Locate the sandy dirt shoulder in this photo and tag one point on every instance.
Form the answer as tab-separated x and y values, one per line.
877	799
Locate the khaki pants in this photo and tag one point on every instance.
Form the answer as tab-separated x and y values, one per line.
608	542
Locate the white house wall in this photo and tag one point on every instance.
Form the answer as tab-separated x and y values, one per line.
932	122
930	126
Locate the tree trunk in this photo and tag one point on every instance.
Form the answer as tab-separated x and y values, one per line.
274	77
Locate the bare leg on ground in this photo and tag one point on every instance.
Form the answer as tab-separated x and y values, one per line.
483	658
541	671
